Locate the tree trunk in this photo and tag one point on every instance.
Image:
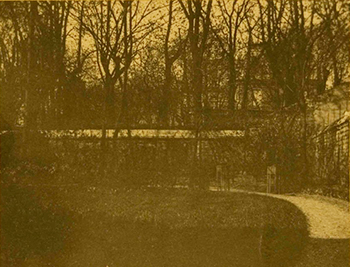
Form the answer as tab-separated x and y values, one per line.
232	84
29	119
247	73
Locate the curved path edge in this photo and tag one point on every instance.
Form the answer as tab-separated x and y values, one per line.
326	220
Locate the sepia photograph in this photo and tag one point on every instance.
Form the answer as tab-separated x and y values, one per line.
183	133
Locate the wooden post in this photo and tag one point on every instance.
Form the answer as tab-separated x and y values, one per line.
219	176
271	178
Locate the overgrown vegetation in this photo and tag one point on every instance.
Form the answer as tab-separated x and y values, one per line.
199	65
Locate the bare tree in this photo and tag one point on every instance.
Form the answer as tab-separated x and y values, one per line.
288	35
113	26
170	56
227	31
331	54
198	17
104	23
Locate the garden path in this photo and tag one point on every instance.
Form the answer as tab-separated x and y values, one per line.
326	220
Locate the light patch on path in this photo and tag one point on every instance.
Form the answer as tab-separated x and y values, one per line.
326	220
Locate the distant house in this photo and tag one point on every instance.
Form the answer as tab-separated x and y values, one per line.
332	105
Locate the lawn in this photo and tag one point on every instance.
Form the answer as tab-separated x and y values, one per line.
80	226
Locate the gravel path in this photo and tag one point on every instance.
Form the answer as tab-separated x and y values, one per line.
326	220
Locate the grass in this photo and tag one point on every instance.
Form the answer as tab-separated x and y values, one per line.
80	226
325	252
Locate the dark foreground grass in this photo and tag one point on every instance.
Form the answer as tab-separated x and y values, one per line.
326	252
154	227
